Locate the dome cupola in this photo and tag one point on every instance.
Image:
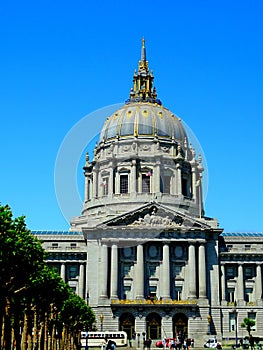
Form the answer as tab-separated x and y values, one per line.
142	156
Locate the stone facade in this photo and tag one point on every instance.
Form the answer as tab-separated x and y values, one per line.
142	253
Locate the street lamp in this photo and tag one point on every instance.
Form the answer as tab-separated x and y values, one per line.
101	322
236	324
87	339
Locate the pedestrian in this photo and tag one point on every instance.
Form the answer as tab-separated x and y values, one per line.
149	343
164	343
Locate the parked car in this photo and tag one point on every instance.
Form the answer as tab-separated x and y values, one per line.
213	343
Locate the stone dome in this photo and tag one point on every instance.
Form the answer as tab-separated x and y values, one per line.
143	119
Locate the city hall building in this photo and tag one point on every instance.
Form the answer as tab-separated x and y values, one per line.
142	253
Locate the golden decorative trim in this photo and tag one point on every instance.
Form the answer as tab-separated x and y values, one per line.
152	302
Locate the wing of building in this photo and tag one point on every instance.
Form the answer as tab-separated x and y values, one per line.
142	253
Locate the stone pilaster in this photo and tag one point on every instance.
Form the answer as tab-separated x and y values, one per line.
191	271
166	272
104	271
140	273
114	272
202	271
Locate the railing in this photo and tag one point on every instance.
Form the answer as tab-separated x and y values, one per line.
152	302
248	303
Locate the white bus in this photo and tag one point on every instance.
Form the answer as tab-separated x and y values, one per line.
97	339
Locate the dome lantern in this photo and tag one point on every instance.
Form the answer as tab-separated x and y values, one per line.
143	89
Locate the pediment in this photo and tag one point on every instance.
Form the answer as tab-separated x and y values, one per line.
154	215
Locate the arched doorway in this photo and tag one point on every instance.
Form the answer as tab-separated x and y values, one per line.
127	323
180	326
153	326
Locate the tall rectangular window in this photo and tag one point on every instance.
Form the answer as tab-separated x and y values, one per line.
232	321
249	295
249	273
105	186
230	295
178	292
124	183
166	184
146	182
252	316
230	272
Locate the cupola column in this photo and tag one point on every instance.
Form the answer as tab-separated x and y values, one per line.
86	189
179	180
140	273
104	271
95	183
166	272
194	183
133	177
110	192
202	271
100	185
114	272
191	271
156	177
117	182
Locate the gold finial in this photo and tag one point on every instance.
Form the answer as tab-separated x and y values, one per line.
143	42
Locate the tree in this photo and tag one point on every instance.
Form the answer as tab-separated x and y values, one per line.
248	323
21	257
36	305
76	316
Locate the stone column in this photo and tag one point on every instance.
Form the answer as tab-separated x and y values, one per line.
95	183
191	271
63	271
258	286
110	191
223	283
81	280
202	271
166	272
179	180
117	182
156	178
140	273
240	284
194	183
100	187
114	272
104	271
86	196
133	177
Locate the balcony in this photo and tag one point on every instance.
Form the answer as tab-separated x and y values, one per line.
149	302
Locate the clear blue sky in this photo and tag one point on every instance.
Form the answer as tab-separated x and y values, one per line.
62	60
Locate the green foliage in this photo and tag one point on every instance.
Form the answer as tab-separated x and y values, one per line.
29	287
21	253
77	314
248	323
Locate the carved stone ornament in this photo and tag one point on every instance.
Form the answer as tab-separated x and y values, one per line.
165	149
145	148
126	148
155	220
